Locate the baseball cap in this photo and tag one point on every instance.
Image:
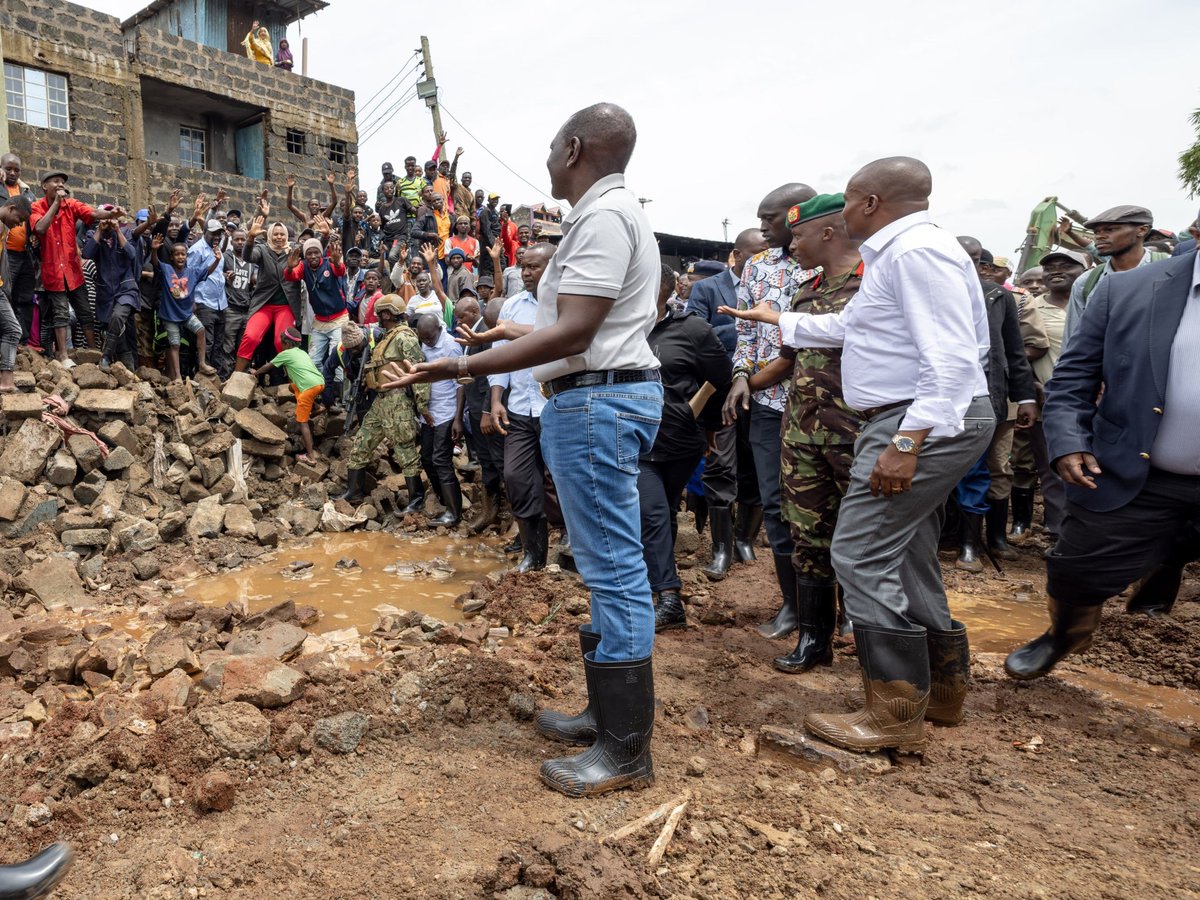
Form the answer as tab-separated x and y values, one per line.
214	225
1122	215
985	257
1064	254
493	196
1002	262
142	215
706	267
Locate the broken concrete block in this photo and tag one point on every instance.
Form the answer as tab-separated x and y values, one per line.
239	390
21	406
217	444
119	434
279	641
88	490
239	522
12	498
62	469
89	538
90	375
26	452
55	582
816	755
238	729
207	520
261	681
118	460
139	536
258	448
256	425
104	402
85	450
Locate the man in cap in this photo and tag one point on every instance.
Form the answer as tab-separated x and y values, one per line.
393	415
760	368
1130	460
729	471
1120	238
819	428
387	176
211	301
54	216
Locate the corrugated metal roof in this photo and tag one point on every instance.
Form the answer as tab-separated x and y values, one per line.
290	9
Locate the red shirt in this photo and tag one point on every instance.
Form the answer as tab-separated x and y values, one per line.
508	236
61	267
467	245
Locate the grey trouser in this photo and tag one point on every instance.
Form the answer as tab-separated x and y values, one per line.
885	548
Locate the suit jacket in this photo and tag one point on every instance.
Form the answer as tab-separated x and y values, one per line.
1123	343
1009	375
1184	247
706	296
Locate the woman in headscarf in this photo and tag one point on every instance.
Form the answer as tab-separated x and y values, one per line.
283	59
258	44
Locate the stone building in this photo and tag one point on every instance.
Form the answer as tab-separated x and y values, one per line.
168	99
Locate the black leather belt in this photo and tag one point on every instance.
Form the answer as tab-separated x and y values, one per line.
868	414
591	379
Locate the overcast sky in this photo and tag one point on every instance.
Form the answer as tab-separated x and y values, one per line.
1006	102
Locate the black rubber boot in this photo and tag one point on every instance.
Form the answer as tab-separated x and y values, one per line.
354	486
416	495
720	520
949	671
895	666
515	545
535	540
698	507
997	531
745	532
970	553
1071	629
581	728
1022	511
1156	595
452	500
37	876
816	607
668	612
620	757
489	510
783	622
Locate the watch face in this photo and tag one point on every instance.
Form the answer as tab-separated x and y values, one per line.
904	444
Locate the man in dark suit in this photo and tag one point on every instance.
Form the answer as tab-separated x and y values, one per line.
729	472
1131	461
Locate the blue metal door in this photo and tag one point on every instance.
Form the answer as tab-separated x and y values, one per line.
249	151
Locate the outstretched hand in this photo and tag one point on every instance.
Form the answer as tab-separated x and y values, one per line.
397	375
762	312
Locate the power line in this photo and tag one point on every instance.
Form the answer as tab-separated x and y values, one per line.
375	128
385	115
540	192
390	80
368	116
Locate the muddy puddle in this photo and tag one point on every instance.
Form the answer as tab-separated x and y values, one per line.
409	572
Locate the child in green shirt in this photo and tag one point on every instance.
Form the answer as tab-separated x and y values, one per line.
307	385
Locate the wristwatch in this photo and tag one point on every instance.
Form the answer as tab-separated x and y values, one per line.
464	375
905	444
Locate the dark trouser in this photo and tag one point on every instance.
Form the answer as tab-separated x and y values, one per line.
729	473
524	467
489	450
21	280
119	342
660	487
213	321
235	325
437	453
1054	492
1099	554
10	332
885	548
766	445
61	304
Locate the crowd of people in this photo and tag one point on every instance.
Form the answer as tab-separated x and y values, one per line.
852	380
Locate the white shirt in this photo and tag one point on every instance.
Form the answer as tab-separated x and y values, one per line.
524	394
608	250
917	328
1176	446
420	304
443	395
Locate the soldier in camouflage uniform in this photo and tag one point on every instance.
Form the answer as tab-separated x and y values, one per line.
393	415
819	430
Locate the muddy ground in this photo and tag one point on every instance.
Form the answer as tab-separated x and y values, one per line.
1046	790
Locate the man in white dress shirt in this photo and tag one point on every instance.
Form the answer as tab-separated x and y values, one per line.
914	339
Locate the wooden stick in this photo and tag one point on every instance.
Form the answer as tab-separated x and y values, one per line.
638	824
660	846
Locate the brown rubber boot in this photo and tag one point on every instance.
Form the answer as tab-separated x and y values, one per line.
895	667
949	671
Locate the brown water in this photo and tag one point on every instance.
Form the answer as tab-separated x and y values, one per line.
359	595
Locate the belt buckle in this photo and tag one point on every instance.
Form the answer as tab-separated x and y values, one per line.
544	387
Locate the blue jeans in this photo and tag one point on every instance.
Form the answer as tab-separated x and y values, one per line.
971	490
321	344
591	440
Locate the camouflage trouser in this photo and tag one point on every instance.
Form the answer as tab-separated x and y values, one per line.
390	417
814	478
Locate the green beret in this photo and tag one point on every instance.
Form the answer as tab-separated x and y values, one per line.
815	208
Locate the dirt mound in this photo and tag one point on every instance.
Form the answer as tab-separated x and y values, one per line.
1162	650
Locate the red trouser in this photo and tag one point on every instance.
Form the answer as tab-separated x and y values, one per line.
276	315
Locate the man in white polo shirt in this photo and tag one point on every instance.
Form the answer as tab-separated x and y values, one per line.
596	307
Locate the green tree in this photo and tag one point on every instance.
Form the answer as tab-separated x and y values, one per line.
1189	161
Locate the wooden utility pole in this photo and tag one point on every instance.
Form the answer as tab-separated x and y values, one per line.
427	91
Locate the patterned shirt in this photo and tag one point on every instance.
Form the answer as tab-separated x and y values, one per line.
769	277
816	412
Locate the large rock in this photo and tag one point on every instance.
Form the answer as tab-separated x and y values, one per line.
207	520
26	452
239	522
278	641
104	402
164	653
88	490
119	434
341	733
217	444
85	450
815	755
118	460
21	406
139	536
55	582
261	681
42	511
256	425
258	448
61	469
12	498
237	728
89	538
239	390
174	689
304	521
90	375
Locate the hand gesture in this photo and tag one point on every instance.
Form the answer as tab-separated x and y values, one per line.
217	253
264	208
174	200
429	254
441	138
293	257
119	212
221	195
495	250
398	375
157	242
458	152
254	25
200	205
762	312
335	251
321	224
330	177
291	180
469	337
351	179
1064	227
